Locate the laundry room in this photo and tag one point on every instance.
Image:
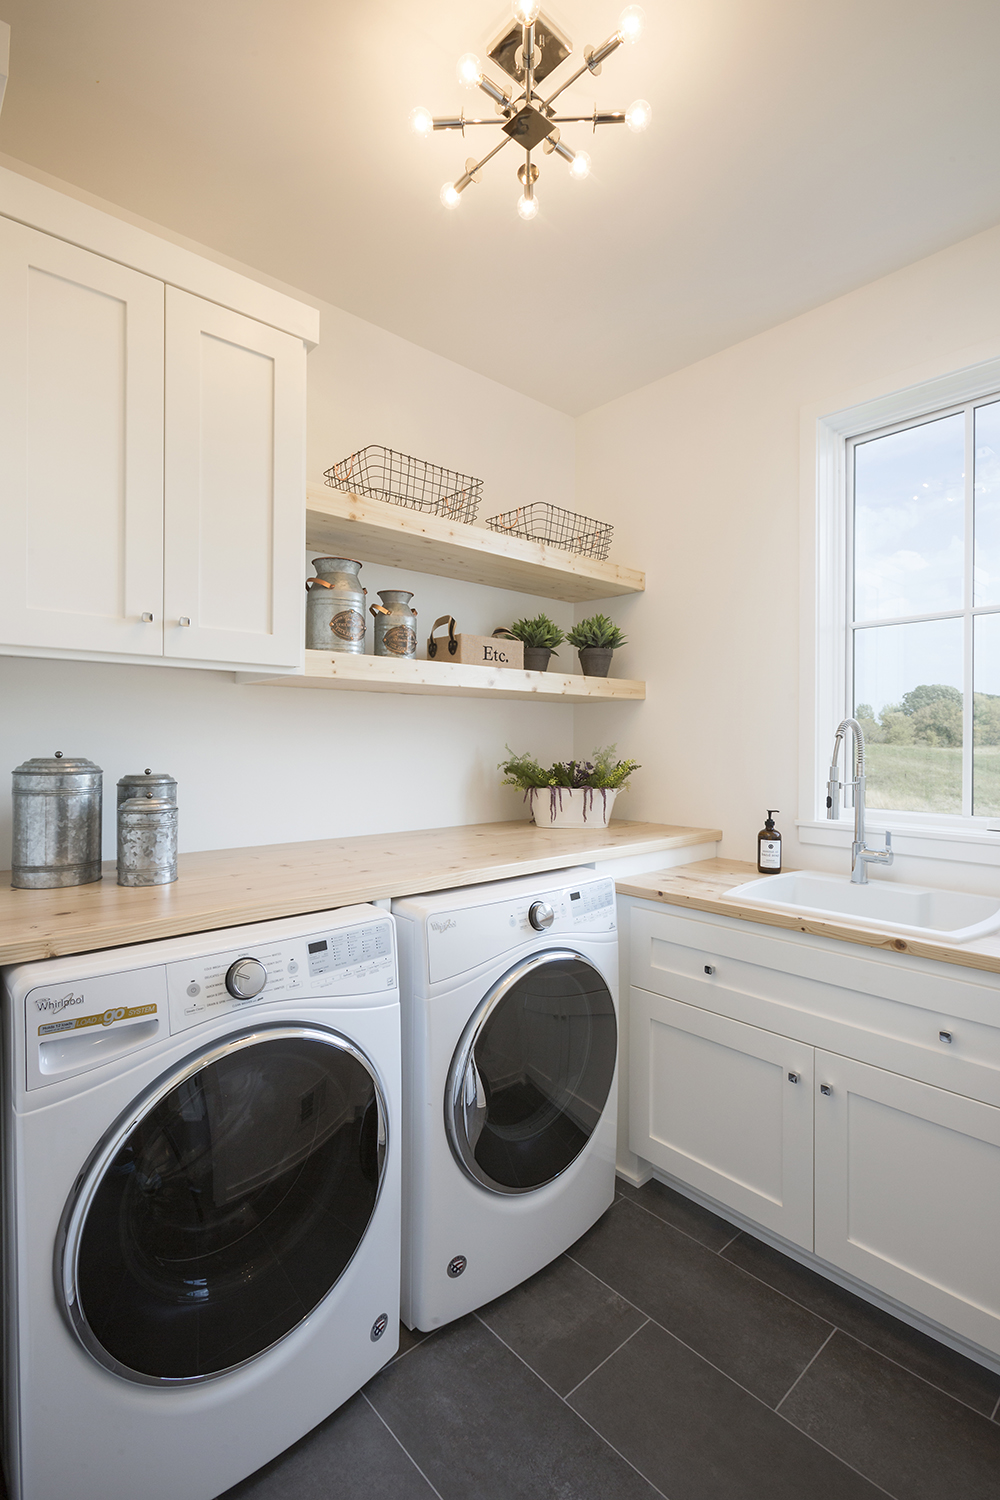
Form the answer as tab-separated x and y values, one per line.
501	947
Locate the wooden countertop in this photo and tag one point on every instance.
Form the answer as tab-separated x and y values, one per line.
703	884
227	887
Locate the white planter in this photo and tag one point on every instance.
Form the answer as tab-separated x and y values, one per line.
565	807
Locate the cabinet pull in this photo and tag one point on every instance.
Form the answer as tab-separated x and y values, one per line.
184	620
794	1078
825	1088
147	618
945	1036
709	968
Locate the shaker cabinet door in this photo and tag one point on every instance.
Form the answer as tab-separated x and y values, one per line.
81	434
908	1192
234	477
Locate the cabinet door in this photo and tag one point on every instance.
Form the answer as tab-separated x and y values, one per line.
81	434
908	1192
726	1108
234	527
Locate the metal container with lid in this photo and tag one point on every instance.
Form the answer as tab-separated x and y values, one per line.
141	782
335	608
57	822
147	840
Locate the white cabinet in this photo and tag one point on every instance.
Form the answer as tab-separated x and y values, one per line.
153	441
882	1157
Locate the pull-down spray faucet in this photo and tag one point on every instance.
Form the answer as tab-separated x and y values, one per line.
861	855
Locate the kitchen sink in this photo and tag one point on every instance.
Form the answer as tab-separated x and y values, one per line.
952	916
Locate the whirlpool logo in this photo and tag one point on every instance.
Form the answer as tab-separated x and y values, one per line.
443	926
55	1006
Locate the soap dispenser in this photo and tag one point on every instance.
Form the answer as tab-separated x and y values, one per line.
769	846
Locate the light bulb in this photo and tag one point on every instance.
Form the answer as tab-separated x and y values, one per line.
526	11
579	167
527	207
469	70
421	121
631	23
449	196
638	116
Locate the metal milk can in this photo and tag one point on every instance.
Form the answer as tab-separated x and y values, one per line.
335	608
147	840
141	782
395	624
57	822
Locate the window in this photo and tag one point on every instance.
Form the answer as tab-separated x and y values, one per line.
923	615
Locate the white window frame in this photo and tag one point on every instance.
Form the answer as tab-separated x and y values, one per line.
825	668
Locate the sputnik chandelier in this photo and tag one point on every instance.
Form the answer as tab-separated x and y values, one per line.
528	50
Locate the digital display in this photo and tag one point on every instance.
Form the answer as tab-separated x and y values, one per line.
319	947
574	895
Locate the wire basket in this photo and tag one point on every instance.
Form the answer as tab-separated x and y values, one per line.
399	479
541	522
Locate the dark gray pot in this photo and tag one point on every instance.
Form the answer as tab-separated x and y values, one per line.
596	660
536	658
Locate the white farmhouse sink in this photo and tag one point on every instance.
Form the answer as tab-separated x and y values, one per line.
952	916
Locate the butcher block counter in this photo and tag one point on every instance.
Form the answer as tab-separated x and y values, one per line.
227	887
703	884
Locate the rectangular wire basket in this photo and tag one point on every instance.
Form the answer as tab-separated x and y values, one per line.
541	522
399	479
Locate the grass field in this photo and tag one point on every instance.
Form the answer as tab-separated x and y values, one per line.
928	778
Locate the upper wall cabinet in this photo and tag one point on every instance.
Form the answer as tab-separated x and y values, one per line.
154	447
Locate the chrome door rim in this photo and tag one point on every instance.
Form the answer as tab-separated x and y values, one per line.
91	1175
458	1140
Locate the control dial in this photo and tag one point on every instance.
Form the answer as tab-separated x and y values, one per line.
541	915
246	978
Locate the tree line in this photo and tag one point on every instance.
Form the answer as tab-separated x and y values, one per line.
931	715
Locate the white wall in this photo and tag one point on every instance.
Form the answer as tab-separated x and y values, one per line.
262	765
700	472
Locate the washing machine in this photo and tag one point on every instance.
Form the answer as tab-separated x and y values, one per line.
201	1202
510	1038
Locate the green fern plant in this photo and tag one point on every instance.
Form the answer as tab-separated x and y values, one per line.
602	772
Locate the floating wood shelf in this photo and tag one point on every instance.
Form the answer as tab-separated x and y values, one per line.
384	674
345	525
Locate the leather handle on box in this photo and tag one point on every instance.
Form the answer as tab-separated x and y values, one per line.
432	644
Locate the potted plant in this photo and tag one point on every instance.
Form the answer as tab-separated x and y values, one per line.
595	639
569	793
540	636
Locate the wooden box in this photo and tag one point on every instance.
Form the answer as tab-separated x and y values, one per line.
474	650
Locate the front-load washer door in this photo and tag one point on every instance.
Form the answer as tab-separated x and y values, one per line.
532	1073
225	1205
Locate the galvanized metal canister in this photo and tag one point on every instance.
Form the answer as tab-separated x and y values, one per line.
141	782
335	608
395	624
147	841
57	822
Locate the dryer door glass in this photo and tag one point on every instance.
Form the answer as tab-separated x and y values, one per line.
532	1073
227	1207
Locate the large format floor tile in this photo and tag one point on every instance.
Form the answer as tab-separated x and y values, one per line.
748	1330
482	1426
350	1456
909	1437
942	1366
699	1436
563	1323
671	1206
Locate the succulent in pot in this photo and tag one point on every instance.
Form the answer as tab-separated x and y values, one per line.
540	637
595	639
570	793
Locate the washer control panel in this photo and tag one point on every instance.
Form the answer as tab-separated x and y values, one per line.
343	961
466	936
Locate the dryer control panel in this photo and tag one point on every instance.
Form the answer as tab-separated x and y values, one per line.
344	961
461	938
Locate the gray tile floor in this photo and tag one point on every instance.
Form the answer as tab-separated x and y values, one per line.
666	1354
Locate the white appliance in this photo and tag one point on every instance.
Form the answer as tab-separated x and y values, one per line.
508	999
201	1202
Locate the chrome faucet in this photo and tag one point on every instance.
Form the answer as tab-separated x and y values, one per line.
861	855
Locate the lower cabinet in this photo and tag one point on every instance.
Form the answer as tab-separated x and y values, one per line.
890	1178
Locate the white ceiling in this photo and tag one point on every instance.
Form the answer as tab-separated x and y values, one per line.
799	148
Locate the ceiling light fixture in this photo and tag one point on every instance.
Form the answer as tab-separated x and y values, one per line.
528	50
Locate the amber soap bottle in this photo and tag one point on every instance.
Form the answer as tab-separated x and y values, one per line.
769	846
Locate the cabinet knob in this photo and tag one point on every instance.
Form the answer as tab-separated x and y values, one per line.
147	618
709	968
794	1078
945	1036
825	1088
184	620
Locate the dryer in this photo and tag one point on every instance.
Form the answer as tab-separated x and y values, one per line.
509	1007
201	1202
